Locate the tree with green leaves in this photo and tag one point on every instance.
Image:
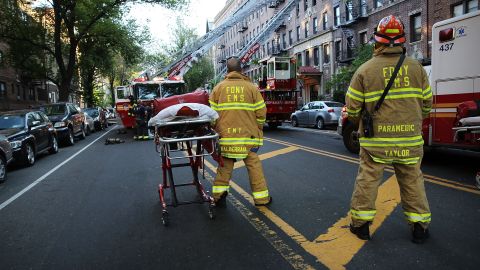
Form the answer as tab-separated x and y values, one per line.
199	74
69	22
339	82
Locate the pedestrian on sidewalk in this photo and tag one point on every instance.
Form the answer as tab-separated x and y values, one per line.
390	134
242	114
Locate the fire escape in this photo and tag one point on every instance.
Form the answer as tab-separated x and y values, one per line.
355	11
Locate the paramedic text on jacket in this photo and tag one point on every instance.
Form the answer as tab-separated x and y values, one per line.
397	126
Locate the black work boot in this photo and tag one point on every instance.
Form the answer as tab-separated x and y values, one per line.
265	204
222	202
419	234
362	232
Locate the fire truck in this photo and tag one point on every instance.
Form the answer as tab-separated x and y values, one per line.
278	87
146	91
455	80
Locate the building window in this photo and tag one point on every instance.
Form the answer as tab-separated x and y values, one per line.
416	27
363	7
326	53
298	9
307	58
305	5
284	40
316	56
273	46
306	29
290	37
378	3
363	38
464	7
314	3
2	56
336	16
299	60
298	33
338	49
3	90
325	21
315	25
348	10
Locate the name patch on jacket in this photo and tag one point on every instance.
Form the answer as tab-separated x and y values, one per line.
402	79
235	93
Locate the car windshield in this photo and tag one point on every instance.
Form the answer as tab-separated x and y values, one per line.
172	89
91	112
57	109
147	91
334	104
12	121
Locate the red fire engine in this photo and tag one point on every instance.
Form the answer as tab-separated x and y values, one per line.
278	88
145	92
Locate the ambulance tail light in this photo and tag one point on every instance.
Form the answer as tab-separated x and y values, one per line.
331	110
446	35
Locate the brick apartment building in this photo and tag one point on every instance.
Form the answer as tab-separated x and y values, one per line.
322	35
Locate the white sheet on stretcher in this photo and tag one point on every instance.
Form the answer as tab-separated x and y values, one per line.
170	113
470	121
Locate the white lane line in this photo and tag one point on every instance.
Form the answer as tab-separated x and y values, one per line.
43	177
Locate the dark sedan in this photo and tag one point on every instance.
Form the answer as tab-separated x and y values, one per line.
30	133
67	120
6	155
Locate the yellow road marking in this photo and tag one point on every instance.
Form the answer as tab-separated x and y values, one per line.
269	155
337	247
428	178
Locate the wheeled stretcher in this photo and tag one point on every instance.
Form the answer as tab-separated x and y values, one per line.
189	140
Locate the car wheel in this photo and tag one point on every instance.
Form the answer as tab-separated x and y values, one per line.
87	132
70	139
29	158
3	169
82	134
294	121
54	145
349	140
320	123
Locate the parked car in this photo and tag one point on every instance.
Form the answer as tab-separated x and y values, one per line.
67	120
6	156
99	118
88	120
111	115
318	114
30	133
347	129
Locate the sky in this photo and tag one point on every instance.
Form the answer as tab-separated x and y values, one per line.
159	20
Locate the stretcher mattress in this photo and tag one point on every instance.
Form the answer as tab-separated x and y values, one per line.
190	111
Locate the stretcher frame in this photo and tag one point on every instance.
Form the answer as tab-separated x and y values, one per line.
191	138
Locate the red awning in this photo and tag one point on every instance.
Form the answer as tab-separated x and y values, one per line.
308	70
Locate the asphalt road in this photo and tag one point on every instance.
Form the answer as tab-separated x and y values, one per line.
100	210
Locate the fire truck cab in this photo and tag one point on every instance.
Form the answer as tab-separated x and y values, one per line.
146	92
278	87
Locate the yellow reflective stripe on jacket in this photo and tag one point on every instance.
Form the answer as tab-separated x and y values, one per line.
395	94
241	141
353	112
363	215
414	217
427	93
392	142
220	189
213	105
260	194
355	94
404	161
239	156
261	121
238	106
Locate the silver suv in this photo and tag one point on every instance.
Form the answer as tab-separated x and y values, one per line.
318	114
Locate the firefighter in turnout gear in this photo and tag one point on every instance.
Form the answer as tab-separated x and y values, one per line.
141	115
242	113
396	137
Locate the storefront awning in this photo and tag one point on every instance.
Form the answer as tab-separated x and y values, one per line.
308	71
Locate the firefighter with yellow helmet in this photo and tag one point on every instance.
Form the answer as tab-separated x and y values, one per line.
390	131
242	114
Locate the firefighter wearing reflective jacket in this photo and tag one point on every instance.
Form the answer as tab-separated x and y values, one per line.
240	125
397	130
141	122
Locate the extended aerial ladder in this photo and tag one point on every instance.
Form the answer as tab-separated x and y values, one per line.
183	63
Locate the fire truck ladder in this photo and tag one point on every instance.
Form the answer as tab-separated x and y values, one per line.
252	46
201	47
